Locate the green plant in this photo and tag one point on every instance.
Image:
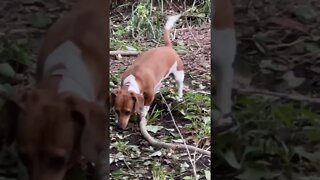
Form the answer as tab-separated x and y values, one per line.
145	22
15	53
158	172
277	131
114	80
121	146
154	115
195	107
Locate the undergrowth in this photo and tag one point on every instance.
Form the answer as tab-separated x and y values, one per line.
272	140
146	22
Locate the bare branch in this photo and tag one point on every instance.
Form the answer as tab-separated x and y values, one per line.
154	142
294	97
134	53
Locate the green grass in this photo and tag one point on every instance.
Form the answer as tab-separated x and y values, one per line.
159	172
273	140
195	108
142	29
146	23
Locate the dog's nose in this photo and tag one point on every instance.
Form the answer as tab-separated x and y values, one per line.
123	124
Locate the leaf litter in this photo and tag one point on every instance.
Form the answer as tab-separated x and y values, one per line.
278	50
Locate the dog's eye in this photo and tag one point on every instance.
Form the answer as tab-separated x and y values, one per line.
56	163
127	113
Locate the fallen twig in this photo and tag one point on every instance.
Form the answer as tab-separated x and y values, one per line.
154	142
294	97
135	53
125	53
194	38
21	31
284	45
193	163
196	16
298	58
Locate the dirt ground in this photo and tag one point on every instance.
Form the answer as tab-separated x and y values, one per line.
196	61
275	38
197	68
22	28
278	51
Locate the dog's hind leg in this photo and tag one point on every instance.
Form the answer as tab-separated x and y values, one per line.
224	51
179	77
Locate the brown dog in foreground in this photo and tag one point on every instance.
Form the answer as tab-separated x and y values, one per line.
63	119
141	81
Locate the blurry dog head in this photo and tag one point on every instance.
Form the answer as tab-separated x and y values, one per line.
53	131
126	103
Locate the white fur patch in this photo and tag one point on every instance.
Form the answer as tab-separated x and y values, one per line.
132	83
171	21
158	85
76	77
179	77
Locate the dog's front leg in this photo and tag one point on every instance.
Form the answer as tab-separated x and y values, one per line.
148	99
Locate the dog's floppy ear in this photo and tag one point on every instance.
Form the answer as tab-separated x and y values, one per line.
9	120
14	104
93	128
138	102
113	96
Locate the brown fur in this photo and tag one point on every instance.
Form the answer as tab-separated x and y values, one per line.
224	14
166	38
54	130
149	69
85	27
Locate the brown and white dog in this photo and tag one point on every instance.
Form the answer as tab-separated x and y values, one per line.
142	80
224	50
63	118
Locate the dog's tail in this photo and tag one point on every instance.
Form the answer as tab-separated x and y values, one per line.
167	28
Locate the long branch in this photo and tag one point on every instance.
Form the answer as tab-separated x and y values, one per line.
135	53
154	142
294	97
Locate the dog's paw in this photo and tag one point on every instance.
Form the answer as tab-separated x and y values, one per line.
179	99
223	124
222	120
